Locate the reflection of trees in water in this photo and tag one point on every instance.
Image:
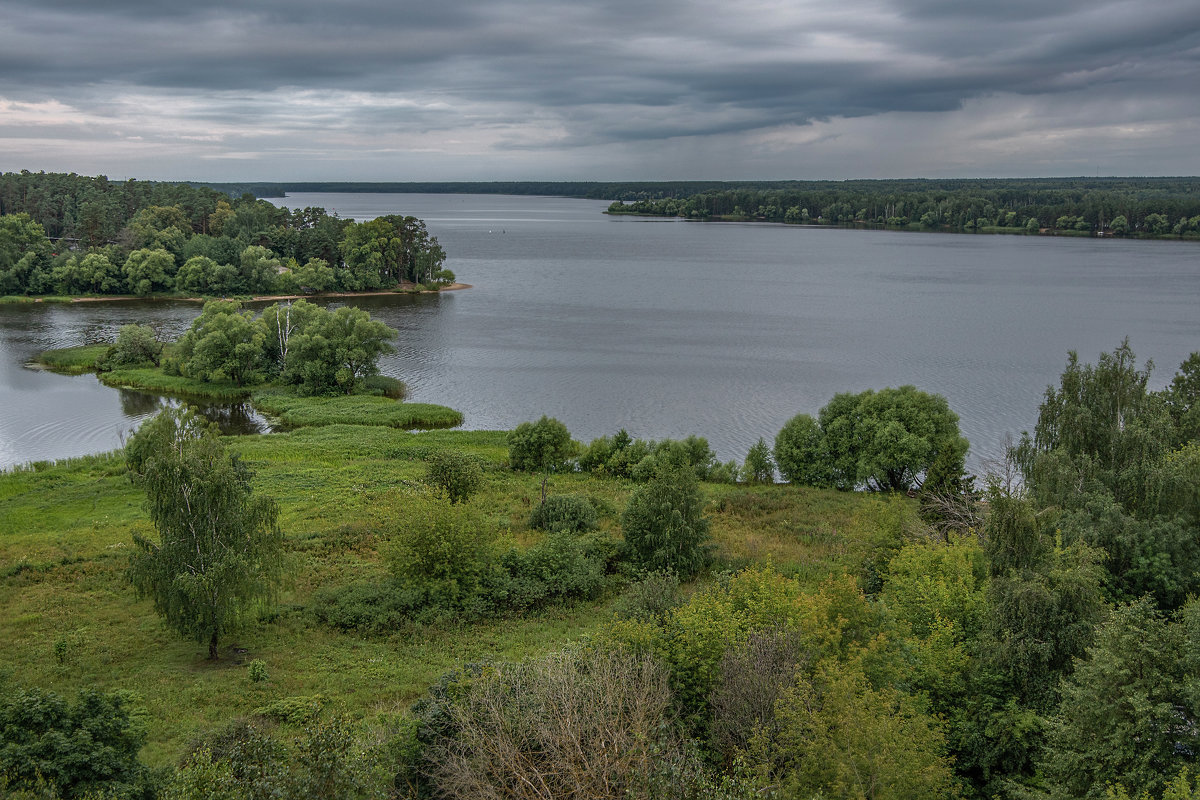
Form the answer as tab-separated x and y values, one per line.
233	419
138	404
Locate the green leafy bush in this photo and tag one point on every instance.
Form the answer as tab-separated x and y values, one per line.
569	513
664	523
444	550
614	455
561	567
136	345
246	762
298	710
257	671
458	474
369	607
839	735
542	446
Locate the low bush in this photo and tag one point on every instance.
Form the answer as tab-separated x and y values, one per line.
561	567
462	578
380	607
246	762
650	598
624	457
257	671
456	473
570	513
293	710
445	551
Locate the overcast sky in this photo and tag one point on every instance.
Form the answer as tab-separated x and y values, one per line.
589	90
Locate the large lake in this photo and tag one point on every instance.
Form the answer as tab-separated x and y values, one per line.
670	328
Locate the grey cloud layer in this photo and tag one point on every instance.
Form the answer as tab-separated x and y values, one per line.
586	74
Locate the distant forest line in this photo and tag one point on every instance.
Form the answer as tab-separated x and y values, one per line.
97	210
1120	206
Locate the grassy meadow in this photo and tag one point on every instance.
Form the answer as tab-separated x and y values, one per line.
69	619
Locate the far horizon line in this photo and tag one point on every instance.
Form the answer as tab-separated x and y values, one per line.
597	181
677	180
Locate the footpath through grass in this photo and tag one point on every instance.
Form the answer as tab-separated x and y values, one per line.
69	620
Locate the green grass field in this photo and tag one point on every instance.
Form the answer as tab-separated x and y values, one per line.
69	620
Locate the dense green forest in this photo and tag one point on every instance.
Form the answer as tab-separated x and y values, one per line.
64	234
1117	206
515	614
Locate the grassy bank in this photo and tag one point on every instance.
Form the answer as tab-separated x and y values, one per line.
11	299
69	619
73	360
152	379
293	411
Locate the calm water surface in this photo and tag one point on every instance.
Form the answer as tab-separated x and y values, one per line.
669	328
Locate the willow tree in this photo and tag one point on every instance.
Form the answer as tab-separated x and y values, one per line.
219	551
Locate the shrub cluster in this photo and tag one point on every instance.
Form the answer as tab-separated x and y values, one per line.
448	563
622	456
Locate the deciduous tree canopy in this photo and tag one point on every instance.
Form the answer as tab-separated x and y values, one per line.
218	554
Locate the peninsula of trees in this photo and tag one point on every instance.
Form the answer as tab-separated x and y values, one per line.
72	235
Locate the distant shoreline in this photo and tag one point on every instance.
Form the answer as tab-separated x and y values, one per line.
266	298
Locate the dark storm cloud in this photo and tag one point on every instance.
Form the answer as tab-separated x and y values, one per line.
578	74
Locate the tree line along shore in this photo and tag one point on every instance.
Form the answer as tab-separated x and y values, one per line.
1140	207
446	613
67	235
